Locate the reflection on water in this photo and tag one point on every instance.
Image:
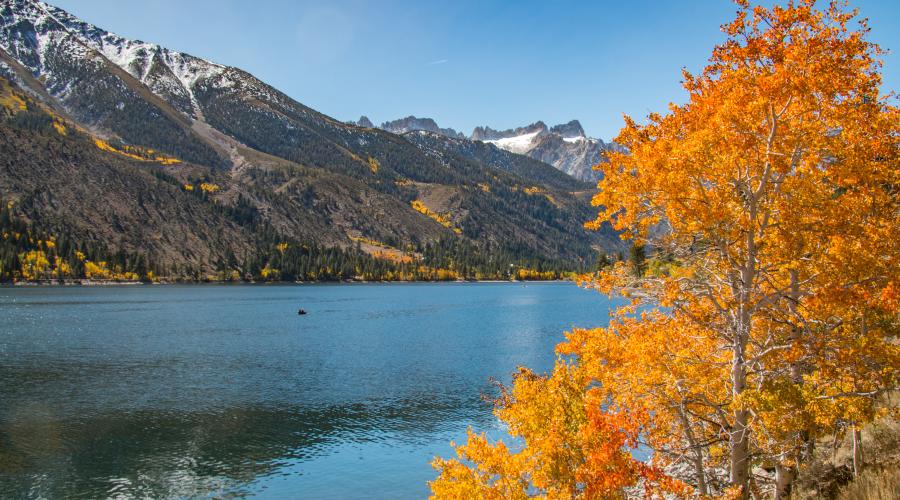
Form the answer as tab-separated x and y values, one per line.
178	391
168	454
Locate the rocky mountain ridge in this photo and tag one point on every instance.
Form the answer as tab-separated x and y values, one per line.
411	124
278	167
565	146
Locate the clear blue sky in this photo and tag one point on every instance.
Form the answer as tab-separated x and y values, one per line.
463	63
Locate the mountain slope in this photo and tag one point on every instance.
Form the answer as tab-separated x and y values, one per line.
522	166
280	168
60	52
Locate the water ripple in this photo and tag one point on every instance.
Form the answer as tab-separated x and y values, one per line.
223	391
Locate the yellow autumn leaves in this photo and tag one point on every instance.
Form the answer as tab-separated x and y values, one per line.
205	187
40	264
441	219
136	153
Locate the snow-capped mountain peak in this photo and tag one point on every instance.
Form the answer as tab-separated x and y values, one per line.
518	143
565	146
34	33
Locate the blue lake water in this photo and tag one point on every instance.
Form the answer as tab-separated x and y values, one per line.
212	391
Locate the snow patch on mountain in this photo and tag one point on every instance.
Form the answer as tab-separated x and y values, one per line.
517	144
565	146
33	31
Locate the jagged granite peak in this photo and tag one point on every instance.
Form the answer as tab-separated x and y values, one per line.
489	134
412	123
569	130
364	121
565	146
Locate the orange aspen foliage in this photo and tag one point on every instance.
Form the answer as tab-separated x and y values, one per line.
572	447
776	186
771	197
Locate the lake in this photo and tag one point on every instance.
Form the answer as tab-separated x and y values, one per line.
212	391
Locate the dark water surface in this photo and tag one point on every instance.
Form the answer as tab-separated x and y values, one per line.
212	391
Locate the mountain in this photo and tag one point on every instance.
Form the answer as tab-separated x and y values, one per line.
564	146
455	149
136	153
364	121
411	123
516	140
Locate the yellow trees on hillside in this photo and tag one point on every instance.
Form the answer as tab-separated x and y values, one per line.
135	152
100	271
773	190
96	270
35	265
9	99
209	187
441	219
533	274
374	165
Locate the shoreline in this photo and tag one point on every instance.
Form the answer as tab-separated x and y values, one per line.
112	283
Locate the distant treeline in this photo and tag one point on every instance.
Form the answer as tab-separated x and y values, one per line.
33	254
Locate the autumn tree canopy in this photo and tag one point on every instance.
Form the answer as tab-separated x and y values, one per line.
769	202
